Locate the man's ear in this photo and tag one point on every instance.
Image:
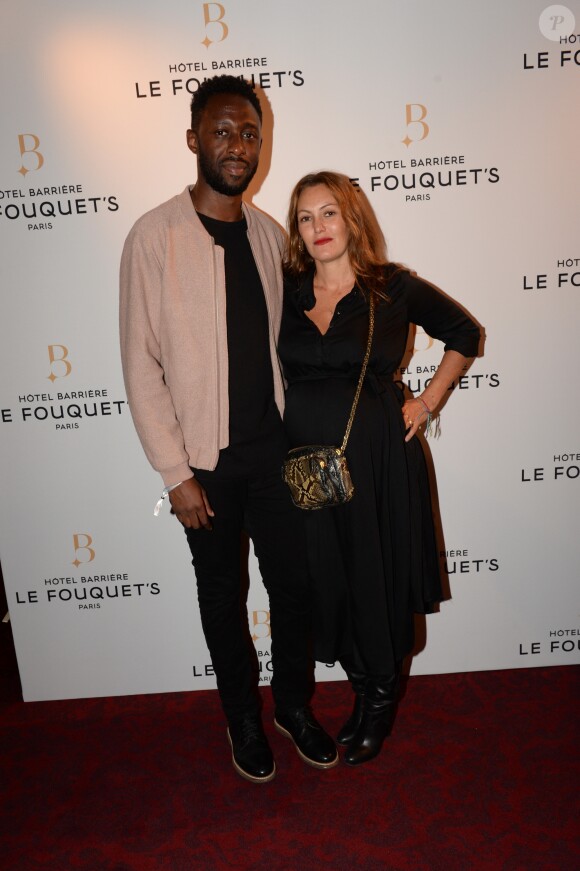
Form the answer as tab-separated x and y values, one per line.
192	141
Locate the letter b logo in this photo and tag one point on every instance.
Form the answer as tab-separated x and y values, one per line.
213	13
82	545
423	340
260	625
58	357
28	144
415	113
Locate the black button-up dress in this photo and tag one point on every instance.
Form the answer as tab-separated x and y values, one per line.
374	561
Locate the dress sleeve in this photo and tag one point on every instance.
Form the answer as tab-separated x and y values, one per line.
440	316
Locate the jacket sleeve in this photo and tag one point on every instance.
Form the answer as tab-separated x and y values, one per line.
148	395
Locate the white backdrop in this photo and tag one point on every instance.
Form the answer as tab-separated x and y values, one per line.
459	121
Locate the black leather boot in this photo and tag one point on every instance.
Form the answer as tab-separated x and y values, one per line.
314	745
358	681
251	754
378	714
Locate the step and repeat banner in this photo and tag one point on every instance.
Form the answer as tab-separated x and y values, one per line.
459	121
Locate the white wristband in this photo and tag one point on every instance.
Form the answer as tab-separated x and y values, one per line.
167	490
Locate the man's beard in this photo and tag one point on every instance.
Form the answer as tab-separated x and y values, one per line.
219	184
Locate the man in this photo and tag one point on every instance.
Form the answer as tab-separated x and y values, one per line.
201	299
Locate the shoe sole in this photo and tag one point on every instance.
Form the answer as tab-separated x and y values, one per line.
312	762
251	777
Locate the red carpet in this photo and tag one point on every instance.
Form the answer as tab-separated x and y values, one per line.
480	773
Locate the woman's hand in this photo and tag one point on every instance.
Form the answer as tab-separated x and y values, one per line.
415	412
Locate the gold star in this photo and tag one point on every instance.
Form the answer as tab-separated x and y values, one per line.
207	42
51	377
23	171
76	563
406	141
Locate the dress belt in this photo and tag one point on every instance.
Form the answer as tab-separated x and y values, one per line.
379	383
334	377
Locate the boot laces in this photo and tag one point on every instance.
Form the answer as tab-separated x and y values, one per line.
304	717
250	730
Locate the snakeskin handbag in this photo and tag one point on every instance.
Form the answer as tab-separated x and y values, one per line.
318	475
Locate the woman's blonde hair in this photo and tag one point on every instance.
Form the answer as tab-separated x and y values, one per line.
367	248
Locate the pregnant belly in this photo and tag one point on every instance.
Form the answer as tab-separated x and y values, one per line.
317	411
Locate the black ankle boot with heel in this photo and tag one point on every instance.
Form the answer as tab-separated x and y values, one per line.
358	681
379	706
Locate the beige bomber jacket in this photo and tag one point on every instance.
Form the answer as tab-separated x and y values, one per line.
174	336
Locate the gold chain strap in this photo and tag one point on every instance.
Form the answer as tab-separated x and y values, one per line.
362	373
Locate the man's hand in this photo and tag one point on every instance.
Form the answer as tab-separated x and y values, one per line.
190	505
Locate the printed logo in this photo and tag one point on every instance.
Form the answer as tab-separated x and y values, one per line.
66	408
422	341
59	407
557	641
87	592
417	377
419	178
29	144
57	355
566	275
461	562
205	670
213	17
566	468
415	114
38	206
260	623
259	71
82	546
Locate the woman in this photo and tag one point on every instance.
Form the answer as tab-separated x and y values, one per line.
373	560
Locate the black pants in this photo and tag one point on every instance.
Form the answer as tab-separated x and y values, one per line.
261	507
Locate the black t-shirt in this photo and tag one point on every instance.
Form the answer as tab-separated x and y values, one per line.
256	433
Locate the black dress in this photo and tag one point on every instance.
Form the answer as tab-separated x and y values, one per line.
374	560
